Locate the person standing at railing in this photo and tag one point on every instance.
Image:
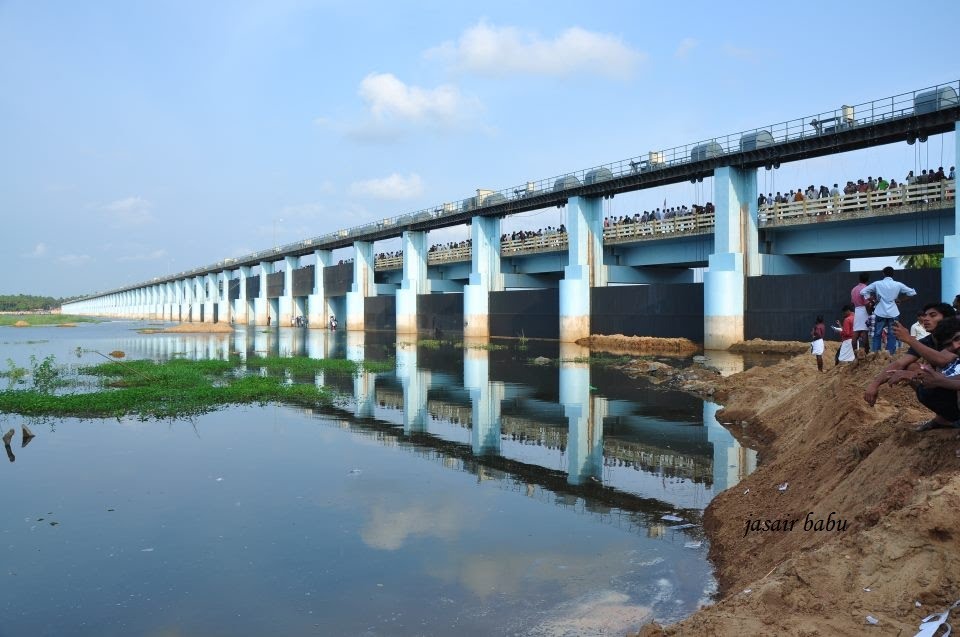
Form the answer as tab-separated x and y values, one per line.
887	292
953	173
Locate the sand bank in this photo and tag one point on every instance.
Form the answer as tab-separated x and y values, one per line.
827	457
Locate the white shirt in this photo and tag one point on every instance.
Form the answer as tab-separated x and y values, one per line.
917	331
887	291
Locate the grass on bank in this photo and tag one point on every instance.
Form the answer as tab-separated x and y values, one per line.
34	320
180	388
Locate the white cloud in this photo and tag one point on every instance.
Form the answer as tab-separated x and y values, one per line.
487	49
38	251
73	259
388	530
686	46
392	187
132	211
147	256
389	99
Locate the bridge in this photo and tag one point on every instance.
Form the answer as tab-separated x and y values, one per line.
643	268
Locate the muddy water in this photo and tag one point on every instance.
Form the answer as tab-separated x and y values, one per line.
468	491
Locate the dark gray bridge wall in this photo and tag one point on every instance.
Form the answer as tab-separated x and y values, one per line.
275	285
337	279
529	313
660	310
785	307
303	281
253	286
440	314
380	313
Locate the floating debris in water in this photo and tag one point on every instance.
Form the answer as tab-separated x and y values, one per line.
671	518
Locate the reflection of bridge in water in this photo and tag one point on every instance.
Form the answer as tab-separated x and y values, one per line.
586	436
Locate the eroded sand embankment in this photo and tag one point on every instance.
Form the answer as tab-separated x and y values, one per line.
897	491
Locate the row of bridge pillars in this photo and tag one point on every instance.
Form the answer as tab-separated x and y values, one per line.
735	257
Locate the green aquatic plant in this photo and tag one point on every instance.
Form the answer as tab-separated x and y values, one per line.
177	388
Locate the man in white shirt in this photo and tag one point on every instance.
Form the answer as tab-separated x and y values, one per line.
917	330
887	291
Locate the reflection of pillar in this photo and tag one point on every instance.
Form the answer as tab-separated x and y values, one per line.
364	383
261	342
485	400
485	276
240	343
415	383
317	344
285	342
318	314
414	280
731	461
363	285
286	299
735	256
584	417
261	305
585	266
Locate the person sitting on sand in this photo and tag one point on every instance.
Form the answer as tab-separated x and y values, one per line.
945	359
933	314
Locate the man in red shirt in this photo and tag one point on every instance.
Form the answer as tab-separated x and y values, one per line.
845	353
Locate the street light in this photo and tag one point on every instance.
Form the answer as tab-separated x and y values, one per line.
275	231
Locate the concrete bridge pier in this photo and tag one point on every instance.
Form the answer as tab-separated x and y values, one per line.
261	305
176	309
199	298
363	284
735	256
485	276
415	383
414	280
241	306
209	297
287	306
950	268
584	416
485	399
585	269
224	308
318	313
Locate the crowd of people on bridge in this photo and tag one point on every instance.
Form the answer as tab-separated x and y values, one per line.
860	187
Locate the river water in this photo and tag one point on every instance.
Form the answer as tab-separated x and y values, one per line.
467	492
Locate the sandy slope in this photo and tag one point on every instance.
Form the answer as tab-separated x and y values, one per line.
898	492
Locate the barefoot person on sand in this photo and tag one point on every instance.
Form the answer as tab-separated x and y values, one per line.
816	341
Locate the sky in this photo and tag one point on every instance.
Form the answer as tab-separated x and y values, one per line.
139	139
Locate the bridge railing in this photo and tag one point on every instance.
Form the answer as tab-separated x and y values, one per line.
880	202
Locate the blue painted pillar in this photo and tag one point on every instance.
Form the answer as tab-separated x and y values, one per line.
485	400
196	298
178	296
287	307
415	383
585	267
261	305
318	312
734	256
950	268
241	308
224	308
584	418
414	280
363	284
485	276
210	296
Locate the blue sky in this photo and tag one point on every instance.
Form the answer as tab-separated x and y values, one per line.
140	139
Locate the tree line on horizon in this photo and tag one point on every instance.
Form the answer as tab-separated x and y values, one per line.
29	302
